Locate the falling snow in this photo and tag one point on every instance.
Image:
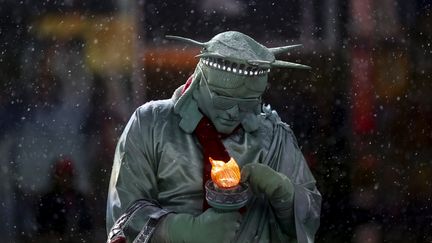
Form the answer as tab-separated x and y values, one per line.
72	72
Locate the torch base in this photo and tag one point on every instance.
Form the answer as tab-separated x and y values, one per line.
227	199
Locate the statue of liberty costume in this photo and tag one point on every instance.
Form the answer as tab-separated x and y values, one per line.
156	190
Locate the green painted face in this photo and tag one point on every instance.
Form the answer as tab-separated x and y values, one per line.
227	108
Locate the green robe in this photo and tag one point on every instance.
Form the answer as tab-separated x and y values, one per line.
159	158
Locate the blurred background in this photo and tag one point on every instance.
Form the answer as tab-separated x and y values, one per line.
72	72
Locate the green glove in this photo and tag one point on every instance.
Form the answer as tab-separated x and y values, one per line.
277	187
210	226
263	179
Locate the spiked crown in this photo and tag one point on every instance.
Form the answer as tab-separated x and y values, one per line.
238	53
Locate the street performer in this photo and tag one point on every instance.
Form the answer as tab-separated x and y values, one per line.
161	163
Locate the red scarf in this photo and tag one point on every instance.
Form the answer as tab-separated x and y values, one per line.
212	146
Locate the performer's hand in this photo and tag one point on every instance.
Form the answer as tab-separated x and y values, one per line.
277	187
210	226
263	179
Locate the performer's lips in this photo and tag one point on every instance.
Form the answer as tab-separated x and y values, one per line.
228	122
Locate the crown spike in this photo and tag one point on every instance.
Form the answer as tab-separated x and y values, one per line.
284	64
174	37
281	49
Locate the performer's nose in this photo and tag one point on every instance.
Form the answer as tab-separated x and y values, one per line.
233	112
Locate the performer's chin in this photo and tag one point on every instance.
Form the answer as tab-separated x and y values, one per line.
226	126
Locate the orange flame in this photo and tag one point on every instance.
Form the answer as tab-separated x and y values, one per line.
225	175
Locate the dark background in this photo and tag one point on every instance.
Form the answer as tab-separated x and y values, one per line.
72	72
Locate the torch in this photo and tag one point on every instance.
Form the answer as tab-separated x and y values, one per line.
224	191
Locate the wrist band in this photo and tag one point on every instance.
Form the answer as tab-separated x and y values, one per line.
148	229
117	231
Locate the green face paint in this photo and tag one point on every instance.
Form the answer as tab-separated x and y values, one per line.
229	110
221	102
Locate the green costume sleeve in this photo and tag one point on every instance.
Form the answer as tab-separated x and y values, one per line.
132	176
